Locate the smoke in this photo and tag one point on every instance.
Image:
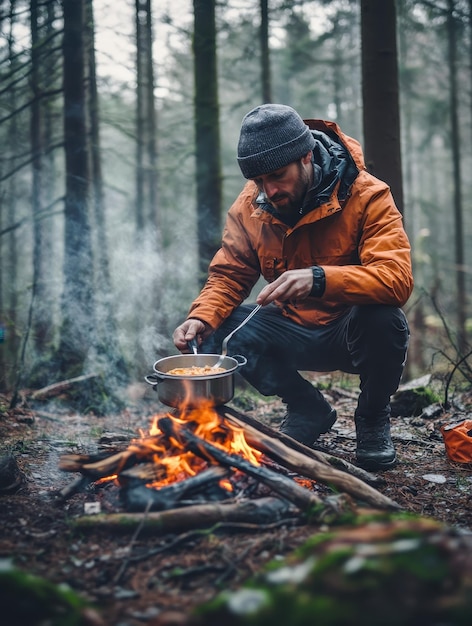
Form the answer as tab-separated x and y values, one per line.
153	290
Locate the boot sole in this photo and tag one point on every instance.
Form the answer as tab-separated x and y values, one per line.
377	466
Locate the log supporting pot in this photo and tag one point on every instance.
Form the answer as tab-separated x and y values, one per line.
194	391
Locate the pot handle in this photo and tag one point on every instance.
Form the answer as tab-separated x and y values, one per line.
240	359
153	379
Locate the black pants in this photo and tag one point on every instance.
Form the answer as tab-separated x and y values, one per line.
369	340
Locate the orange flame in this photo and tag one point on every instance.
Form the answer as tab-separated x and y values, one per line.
173	462
106	479
226	484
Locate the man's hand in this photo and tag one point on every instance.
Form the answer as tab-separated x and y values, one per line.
187	331
291	285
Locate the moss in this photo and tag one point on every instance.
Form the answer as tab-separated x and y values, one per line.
413	401
393	567
312	543
427	396
28	599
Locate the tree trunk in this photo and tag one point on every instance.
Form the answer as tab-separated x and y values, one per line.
265	53
381	111
151	122
148	235
51	233
140	122
457	182
207	134
101	248
78	324
42	321
337	72
415	364
106	323
11	335
470	54
146	153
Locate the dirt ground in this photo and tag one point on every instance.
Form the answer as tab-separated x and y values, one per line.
136	579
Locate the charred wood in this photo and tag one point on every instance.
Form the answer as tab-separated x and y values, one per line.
96	466
304	465
143	472
204	487
285	487
258	511
323	457
76	486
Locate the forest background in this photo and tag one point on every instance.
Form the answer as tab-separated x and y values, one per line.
119	123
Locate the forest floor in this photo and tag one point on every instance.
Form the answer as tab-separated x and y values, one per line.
135	579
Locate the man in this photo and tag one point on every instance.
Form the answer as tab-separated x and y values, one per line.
327	237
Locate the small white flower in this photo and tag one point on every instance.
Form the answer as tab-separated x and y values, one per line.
295	574
247	601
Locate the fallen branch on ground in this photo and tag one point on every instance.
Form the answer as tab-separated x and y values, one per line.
60	386
256	511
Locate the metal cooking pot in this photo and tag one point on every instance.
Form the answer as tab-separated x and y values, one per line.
193	391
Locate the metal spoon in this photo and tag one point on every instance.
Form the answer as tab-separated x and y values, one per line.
224	345
193	345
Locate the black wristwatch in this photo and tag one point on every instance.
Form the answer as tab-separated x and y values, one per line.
319	282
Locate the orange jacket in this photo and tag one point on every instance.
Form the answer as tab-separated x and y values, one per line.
358	240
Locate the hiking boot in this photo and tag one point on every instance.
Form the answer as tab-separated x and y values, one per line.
375	450
305	427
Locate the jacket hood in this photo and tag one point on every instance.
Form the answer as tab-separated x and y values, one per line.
334	166
337	167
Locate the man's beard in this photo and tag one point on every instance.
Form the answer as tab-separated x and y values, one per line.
289	203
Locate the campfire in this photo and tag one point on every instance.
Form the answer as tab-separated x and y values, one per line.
206	424
214	463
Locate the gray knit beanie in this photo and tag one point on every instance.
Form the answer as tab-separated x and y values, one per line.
271	137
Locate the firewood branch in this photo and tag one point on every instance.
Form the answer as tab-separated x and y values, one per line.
323	457
285	487
310	468
257	511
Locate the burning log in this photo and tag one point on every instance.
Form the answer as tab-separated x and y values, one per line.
97	466
243	420
101	465
142	473
286	487
141	498
267	442
257	511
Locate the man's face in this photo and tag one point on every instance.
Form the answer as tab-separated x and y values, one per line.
286	187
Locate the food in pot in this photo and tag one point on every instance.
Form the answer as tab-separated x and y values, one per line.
196	370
